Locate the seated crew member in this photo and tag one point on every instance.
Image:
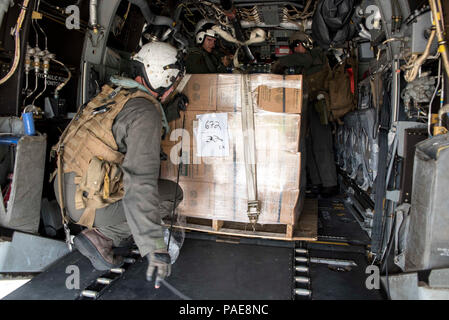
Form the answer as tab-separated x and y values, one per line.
203	58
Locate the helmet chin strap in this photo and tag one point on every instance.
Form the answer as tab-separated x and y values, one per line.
142	81
172	88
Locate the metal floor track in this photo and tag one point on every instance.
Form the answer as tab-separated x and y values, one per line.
206	270
333	268
210	267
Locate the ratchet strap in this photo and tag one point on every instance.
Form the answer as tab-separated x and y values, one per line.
249	147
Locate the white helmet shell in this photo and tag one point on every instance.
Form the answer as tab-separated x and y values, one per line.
202	35
203	29
162	65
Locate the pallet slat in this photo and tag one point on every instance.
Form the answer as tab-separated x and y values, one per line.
305	230
217	224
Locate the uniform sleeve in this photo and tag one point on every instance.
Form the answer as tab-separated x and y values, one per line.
278	68
140	167
195	64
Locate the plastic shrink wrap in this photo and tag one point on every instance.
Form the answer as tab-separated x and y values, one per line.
213	175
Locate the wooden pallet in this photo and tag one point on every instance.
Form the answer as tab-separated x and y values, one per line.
305	229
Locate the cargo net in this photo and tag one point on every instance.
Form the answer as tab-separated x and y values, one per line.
357	147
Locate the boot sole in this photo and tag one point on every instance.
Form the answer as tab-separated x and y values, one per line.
87	249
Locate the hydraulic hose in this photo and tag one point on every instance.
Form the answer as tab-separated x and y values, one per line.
411	74
69	76
435	6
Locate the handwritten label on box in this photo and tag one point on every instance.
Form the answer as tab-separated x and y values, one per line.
212	138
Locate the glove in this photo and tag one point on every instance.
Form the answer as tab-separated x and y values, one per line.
178	103
182	101
160	262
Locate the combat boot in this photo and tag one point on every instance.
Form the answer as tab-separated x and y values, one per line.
98	249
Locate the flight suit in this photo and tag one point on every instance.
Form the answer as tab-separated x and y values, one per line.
199	60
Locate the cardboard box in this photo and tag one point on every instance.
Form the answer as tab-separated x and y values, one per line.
198	198
277	93
281	175
216	187
201	89
222	92
274	131
228	202
229	93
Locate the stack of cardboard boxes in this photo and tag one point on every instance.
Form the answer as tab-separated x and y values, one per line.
215	186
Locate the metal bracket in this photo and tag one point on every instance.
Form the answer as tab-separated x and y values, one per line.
253	211
393	195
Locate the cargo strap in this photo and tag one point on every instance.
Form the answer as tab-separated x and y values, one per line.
249	147
381	184
59	151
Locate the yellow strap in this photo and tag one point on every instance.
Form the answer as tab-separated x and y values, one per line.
106	186
36	15
439	130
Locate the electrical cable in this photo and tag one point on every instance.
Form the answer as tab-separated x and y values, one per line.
429	120
17	42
